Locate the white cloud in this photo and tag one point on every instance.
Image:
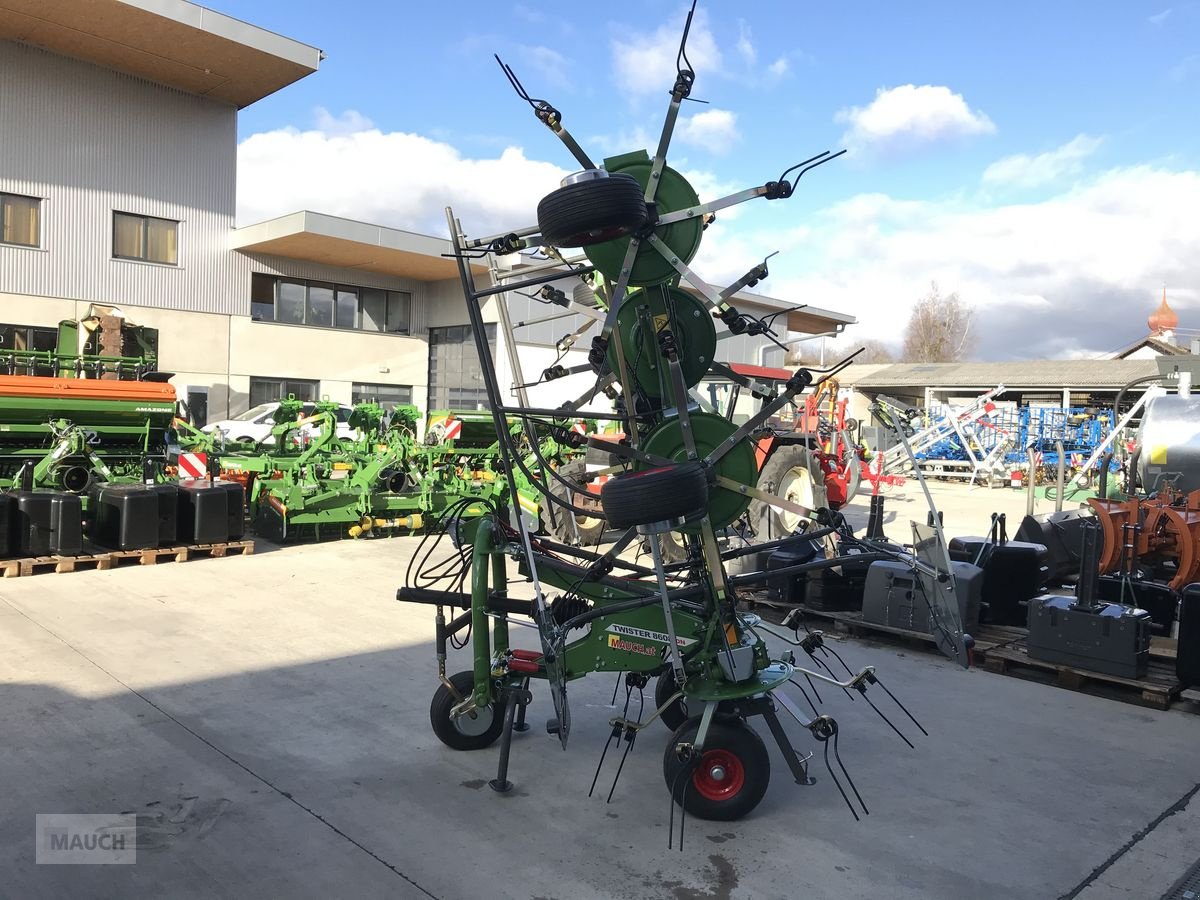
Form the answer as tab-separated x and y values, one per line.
390	178
350	121
1159	18
714	129
1025	171
911	114
1075	274
548	63
745	44
779	68
645	63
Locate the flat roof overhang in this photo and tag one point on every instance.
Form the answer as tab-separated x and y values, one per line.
348	244
172	42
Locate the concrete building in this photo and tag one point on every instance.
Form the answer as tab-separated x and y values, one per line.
118	169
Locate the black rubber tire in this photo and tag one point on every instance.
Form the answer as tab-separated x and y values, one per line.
677	713
671	545
654	495
730	741
447	729
590	528
766	520
592	212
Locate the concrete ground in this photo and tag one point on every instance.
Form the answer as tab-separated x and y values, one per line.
266	718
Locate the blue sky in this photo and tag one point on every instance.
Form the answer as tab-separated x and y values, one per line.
1040	159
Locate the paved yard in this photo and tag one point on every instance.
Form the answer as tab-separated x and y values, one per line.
267	720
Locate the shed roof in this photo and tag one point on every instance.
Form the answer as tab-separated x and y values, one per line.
1078	374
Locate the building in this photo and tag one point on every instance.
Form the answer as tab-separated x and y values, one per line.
118	171
1160	341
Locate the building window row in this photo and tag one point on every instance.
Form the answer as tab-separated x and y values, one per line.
141	238
295	301
272	390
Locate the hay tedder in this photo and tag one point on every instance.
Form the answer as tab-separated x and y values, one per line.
678	469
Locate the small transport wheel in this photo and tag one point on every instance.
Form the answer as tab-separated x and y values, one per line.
590	208
586	530
791	474
473	731
654	495
728	780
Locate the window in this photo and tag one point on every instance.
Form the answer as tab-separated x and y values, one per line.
385	311
292	301
26	337
389	396
145	238
262	298
266	390
20	220
455	379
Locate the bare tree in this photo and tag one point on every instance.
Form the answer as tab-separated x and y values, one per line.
939	329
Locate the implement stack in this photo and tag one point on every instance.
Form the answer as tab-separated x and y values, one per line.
85	435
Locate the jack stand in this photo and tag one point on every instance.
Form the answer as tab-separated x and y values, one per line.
520	725
517	697
875	520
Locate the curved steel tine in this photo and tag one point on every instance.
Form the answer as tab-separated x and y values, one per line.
838	784
849	780
805	693
886	719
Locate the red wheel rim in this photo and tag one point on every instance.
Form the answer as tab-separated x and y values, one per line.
720	775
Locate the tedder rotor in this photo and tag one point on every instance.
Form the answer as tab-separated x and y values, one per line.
626	231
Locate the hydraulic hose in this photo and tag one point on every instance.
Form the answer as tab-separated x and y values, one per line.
1106	460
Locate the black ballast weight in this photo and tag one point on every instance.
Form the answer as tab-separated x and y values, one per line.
660	494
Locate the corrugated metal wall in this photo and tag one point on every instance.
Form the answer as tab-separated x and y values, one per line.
90	141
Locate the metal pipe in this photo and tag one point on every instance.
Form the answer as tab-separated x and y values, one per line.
1029	498
1061	481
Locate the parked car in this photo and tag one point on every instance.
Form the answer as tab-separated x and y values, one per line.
254	425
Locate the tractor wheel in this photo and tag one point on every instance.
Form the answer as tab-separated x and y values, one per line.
671	545
854	476
598	208
730	777
473	731
654	495
792	474
589	528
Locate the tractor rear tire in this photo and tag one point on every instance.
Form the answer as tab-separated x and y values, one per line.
728	780
473	731
590	528
592	212
671	544
661	494
790	470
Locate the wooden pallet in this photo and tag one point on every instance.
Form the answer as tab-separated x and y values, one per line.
36	565
851	622
1157	688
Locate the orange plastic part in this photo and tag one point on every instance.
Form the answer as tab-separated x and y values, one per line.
85	388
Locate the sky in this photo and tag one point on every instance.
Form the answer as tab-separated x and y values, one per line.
1040	159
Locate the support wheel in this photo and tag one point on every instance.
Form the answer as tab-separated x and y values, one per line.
473	731
729	779
595	209
654	495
